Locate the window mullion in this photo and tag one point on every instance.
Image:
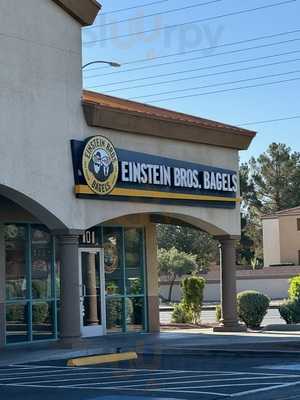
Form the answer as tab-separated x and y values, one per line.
124	282
53	287
29	279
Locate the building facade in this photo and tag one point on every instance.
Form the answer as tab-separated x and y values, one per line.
85	178
281	234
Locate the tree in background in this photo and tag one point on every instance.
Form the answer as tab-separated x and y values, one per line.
275	178
174	264
189	240
268	184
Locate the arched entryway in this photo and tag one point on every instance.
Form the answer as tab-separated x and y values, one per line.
45	235
29	276
112	235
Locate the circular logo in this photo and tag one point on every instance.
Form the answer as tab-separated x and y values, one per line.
111	258
100	165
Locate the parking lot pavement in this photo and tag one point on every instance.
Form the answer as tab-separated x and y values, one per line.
131	381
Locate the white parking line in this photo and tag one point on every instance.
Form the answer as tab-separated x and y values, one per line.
21	374
191	371
112	379
143	369
182	389
183	382
199	381
265	389
75	372
98	389
289	367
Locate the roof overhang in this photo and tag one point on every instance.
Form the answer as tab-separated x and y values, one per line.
84	11
101	115
290	212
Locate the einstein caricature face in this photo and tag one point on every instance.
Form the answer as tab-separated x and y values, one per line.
102	160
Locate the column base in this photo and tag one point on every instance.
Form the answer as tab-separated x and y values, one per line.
230	328
70	343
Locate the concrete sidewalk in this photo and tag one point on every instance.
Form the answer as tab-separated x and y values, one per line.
192	341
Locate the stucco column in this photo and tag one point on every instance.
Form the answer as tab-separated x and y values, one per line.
2	286
229	321
152	278
70	311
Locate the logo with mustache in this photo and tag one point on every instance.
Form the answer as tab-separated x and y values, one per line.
100	165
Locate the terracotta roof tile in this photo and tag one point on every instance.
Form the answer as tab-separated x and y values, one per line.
160	113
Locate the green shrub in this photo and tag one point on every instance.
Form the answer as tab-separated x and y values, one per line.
192	289
39	313
290	311
15	313
114	309
252	308
39	289
294	289
181	314
218	312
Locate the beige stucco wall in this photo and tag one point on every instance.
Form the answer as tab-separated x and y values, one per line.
40	110
271	242
274	288
289	239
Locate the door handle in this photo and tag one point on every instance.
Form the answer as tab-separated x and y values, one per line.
83	290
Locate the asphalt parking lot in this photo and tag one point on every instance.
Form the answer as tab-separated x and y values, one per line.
156	377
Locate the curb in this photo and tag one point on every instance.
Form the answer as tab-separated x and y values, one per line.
282	328
101	359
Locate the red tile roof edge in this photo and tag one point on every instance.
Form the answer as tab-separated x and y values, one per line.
157	112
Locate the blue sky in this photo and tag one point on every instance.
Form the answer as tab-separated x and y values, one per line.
194	40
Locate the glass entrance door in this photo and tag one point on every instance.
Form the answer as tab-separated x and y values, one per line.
92	292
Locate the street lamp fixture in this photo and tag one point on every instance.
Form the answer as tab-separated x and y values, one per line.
110	63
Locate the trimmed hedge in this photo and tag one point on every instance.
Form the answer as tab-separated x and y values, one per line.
40	313
181	314
192	290
218	312
252	308
290	311
294	289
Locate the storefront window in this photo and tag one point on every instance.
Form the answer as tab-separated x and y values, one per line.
114	315
135	314
42	321
16	268
31	306
41	263
113	261
125	283
134	261
17	316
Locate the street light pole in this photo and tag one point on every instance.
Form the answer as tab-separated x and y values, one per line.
110	63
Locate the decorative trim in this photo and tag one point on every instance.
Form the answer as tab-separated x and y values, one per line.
147	123
84	189
84	11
